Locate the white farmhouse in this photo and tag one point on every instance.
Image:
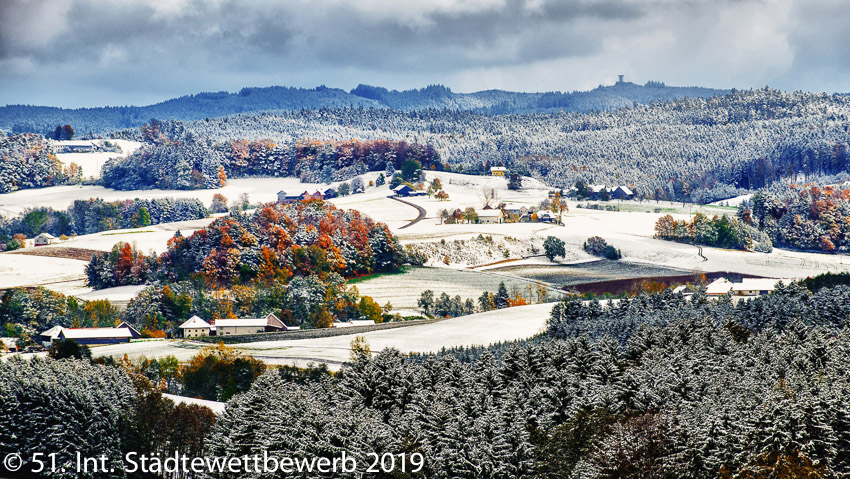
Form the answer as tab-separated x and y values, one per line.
494	215
195	327
44	239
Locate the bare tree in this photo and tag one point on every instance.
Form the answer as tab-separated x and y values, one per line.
489	196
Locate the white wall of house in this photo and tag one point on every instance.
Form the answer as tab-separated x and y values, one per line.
233	330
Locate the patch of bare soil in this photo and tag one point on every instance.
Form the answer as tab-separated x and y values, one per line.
81	254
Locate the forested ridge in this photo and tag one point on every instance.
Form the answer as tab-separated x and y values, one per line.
87	121
685	149
191	162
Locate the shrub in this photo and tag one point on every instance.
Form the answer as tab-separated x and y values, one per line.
597	246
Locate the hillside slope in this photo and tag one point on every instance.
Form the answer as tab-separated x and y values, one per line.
43	119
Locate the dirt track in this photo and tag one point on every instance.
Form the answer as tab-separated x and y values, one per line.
81	254
419	208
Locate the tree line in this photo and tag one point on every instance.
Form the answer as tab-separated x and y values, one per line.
175	159
95	215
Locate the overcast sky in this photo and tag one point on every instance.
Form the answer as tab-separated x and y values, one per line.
117	52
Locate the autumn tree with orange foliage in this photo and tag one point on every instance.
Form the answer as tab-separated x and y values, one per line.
807	217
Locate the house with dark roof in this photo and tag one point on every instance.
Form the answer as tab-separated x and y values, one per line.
403	190
124	333
622	193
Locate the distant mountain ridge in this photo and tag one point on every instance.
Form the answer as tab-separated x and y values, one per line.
44	119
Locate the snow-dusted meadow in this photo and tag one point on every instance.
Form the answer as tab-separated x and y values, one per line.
477	329
91	164
404	290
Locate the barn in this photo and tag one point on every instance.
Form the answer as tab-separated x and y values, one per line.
124	333
232	327
194	327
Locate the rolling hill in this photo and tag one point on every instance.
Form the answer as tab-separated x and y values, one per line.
90	121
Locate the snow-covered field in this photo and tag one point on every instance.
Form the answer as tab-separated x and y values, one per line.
477	329
92	163
119	295
58	274
480	329
149	238
60	197
215	406
734	201
404	290
630	230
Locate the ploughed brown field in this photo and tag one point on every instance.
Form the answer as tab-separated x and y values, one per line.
82	254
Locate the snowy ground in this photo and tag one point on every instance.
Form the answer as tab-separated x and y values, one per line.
215	406
119	296
477	329
149	238
734	201
60	197
58	274
630	230
92	163
404	290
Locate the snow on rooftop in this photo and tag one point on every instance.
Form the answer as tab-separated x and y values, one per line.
248	322
88	333
759	284
719	286
195	322
53	332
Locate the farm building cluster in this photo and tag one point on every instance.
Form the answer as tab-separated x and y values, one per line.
603	192
504	213
406	191
284	197
747	287
195	327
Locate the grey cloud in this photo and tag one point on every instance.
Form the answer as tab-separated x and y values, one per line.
133	48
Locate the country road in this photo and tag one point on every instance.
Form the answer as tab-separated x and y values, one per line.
418	218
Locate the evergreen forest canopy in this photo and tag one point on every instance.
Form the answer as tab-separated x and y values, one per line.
88	121
697	150
654	386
